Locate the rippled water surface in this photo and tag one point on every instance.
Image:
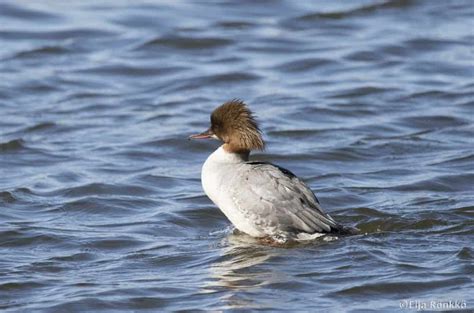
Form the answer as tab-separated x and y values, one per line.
371	102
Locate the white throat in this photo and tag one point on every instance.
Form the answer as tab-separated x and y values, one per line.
223	156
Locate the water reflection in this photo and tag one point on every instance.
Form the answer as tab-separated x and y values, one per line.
241	271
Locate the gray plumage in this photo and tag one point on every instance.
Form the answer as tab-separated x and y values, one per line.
276	199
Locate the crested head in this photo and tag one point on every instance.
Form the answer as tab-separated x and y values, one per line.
235	125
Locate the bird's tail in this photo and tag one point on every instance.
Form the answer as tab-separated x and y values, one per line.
345	230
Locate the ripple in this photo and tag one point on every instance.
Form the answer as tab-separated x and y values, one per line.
76	257
465	253
40	127
440	68
432	121
131	71
441	183
12	145
362	10
187	43
405	288
361	92
46	51
92	209
105	189
304	65
342	154
367	56
76	33
13	286
21	238
235	24
22	13
424	44
7	197
231	77
467	211
195	83
118	243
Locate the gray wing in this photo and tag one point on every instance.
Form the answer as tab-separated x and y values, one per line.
282	200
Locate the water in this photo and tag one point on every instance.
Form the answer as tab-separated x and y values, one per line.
371	102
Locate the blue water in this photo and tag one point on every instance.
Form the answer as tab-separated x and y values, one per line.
101	206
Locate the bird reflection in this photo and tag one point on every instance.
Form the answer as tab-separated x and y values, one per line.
241	270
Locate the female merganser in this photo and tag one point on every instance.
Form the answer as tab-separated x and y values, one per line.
261	199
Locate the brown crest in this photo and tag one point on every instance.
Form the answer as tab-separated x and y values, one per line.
235	125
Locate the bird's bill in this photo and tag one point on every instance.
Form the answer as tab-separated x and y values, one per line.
204	135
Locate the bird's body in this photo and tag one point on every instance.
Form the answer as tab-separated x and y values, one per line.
260	199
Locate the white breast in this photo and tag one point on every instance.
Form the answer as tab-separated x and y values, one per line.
218	181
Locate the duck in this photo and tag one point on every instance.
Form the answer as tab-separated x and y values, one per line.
260	199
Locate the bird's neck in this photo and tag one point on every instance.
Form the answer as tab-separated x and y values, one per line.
222	154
